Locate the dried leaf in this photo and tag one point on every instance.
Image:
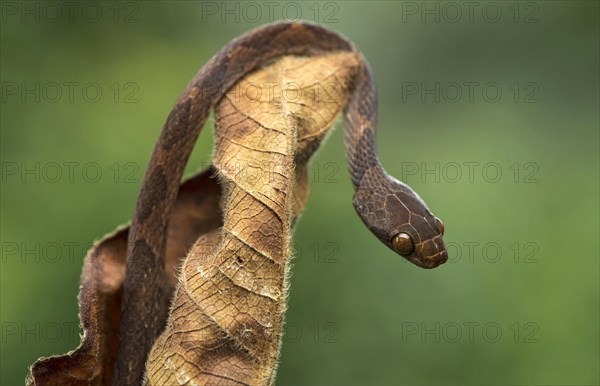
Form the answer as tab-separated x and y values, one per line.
225	323
196	212
262	152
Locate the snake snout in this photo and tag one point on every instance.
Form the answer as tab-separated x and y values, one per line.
443	257
434	253
433	261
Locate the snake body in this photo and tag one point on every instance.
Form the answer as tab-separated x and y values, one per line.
391	210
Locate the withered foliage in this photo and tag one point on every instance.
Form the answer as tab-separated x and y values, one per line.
228	240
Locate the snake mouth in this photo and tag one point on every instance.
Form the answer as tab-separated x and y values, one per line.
429	262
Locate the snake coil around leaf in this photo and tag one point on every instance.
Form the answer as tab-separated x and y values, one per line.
390	209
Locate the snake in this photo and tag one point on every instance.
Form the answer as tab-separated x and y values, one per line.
390	209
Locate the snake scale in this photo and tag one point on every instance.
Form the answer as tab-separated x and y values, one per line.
390	209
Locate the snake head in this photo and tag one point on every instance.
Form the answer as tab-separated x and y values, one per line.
399	218
420	241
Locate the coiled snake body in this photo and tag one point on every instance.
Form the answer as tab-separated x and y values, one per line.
391	210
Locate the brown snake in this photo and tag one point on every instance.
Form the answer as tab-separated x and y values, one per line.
391	210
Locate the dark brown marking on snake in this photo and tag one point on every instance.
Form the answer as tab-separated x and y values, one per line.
373	186
176	123
155	190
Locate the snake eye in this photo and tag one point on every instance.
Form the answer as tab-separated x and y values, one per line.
440	225
403	244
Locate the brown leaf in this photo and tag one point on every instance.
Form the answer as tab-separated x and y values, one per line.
225	323
196	212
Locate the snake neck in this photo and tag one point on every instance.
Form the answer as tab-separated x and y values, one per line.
360	116
370	198
362	159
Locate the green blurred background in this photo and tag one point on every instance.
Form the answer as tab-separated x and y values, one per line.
518	302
